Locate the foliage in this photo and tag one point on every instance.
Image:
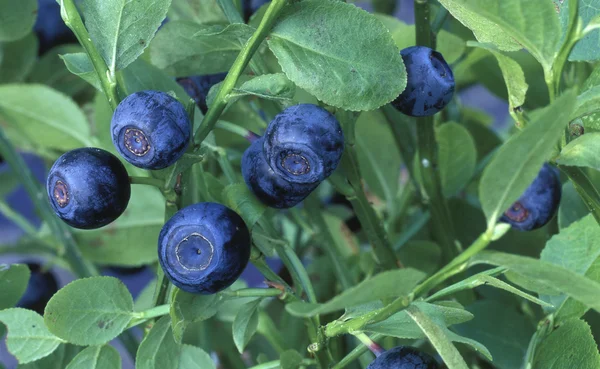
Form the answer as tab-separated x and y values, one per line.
401	259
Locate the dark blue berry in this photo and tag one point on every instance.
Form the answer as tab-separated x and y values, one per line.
403	357
199	86
88	188
50	28
40	289
204	248
151	129
301	147
430	82
538	204
251	6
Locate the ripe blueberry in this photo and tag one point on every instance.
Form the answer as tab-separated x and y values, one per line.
40	289
88	188
199	86
538	204
430	84
150	129
403	357
204	248
301	147
49	26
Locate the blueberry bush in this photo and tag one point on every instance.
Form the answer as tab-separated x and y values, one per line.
325	147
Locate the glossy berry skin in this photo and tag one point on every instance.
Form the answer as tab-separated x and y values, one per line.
538	204
88	188
50	28
268	186
150	129
197	87
204	248
40	289
403	357
430	82
301	147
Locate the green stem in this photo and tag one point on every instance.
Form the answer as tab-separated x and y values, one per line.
253	292
72	19
223	160
585	188
149	181
237	130
162	282
241	62
151	313
18	219
442	221
354	354
371	345
573	35
341	270
370	221
337	327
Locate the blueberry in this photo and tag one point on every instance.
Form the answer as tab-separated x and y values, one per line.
251	6
199	86
538	204
301	147
40	288
204	248
50	28
151	129
268	186
430	84
403	357
88	188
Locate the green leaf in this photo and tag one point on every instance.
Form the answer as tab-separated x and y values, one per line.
512	25
457	157
131	239
290	359
96	357
90	311
514	78
28	338
31	109
502	330
576	248
202	12
13	283
122	29
59	359
547	275
588	48
486	278
570	346
572	207
518	161
245	324
449	45
438	338
188	308
141	75
19	58
267	86
389	284
80	65
158	350
16	19
238	197
192	357
50	70
588	102
583	151
322	52
184	48
378	157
